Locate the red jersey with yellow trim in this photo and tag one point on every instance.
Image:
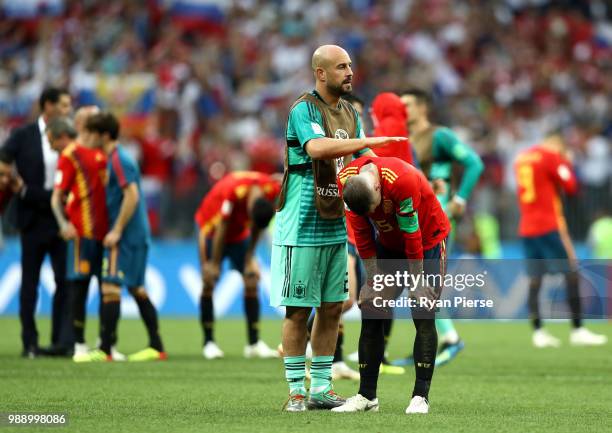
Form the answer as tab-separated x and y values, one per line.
541	174
227	200
82	172
409	217
389	116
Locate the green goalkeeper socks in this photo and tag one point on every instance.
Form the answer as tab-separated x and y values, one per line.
446	331
320	373
295	371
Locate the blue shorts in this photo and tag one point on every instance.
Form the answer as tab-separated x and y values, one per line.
83	259
125	265
545	254
235	253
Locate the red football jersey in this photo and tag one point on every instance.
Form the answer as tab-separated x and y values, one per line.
409	217
389	116
81	172
227	200
541	173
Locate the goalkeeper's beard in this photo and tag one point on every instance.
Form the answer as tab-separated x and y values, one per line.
339	90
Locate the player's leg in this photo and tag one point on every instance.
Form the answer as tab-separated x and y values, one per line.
331	264
62	338
295	286
559	250
111	310
448	336
323	339
424	350
111	302
135	281
371	351
148	313
207	316
535	255
426	338
78	275
451	343
110	307
355	277
255	348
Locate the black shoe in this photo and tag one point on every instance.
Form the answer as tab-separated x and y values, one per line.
56	351
30	352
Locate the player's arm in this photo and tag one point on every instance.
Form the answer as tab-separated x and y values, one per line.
566	240
67	230
406	196
218	242
64	178
564	176
202	247
131	196
458	151
330	148
211	267
366	246
307	123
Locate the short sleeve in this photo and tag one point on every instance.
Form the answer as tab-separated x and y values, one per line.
305	123
65	174
125	170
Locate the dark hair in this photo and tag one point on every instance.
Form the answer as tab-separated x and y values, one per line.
262	213
356	195
5	157
51	94
103	123
421	95
61	126
353	99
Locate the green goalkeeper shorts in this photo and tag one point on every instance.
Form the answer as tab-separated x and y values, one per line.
307	276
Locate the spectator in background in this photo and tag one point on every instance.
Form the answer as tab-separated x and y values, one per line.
503	70
36	162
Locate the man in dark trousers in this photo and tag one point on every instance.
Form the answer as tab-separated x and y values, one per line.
36	162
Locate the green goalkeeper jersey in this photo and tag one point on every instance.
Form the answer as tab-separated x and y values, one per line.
437	148
298	223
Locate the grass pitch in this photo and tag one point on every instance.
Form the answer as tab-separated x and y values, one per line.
498	383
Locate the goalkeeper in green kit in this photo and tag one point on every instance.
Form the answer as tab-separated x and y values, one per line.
309	255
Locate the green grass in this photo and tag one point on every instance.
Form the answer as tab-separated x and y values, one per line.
499	383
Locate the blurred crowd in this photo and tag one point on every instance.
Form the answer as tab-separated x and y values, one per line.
204	87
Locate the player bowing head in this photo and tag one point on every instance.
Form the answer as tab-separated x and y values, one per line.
362	192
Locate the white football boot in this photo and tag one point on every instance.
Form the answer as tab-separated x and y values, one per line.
358	403
212	351
418	404
583	337
260	350
342	371
541	339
